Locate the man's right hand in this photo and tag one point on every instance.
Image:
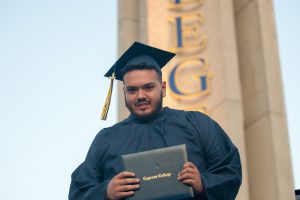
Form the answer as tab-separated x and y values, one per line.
122	185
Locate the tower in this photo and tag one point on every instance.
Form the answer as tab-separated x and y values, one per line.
227	66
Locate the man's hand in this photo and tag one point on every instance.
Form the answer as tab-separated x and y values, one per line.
190	175
122	185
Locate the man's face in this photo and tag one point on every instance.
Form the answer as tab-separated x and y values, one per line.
143	92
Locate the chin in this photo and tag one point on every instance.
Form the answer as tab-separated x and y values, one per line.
147	114
143	114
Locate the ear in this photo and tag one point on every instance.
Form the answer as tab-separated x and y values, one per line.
164	88
124	93
123	86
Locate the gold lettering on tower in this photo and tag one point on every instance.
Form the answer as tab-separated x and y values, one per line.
190	78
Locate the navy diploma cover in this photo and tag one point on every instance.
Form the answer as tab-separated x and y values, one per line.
158	170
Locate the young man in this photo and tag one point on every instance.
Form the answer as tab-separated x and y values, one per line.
213	170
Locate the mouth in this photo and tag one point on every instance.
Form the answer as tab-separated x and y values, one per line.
142	105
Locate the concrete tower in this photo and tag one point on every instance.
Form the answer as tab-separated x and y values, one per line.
227	66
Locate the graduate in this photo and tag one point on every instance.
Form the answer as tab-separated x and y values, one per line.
214	167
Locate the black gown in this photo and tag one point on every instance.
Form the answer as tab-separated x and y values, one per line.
208	147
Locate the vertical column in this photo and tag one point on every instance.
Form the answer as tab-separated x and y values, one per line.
229	110
268	155
131	23
204	75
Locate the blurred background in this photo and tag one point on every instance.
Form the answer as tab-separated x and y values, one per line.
53	55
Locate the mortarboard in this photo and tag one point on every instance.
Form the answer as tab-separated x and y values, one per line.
136	54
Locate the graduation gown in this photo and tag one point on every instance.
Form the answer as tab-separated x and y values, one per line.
208	147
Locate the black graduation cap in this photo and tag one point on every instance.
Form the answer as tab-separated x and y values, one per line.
139	53
136	54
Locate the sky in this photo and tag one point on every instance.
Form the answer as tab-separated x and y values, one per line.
287	16
53	55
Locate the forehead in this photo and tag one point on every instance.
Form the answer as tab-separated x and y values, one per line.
140	77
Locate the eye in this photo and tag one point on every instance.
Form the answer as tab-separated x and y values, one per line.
131	90
148	87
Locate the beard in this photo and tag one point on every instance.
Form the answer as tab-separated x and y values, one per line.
148	116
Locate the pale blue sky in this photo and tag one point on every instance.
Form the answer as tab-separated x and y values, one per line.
53	55
288	30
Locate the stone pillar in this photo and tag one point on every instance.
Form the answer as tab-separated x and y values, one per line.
268	154
214	21
231	51
129	23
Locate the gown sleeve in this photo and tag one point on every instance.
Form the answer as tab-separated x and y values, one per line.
87	180
222	176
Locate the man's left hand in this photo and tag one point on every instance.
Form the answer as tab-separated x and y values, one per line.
190	175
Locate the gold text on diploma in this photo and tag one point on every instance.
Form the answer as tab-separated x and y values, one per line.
160	175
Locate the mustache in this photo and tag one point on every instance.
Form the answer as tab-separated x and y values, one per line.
138	101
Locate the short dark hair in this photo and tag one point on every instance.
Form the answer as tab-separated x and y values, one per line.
141	66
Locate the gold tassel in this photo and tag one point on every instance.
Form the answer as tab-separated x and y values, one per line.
108	98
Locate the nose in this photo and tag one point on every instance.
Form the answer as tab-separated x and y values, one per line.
141	94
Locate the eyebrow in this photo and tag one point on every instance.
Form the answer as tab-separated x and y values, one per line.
147	84
150	83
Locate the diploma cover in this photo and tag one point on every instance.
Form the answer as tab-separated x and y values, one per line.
158	170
